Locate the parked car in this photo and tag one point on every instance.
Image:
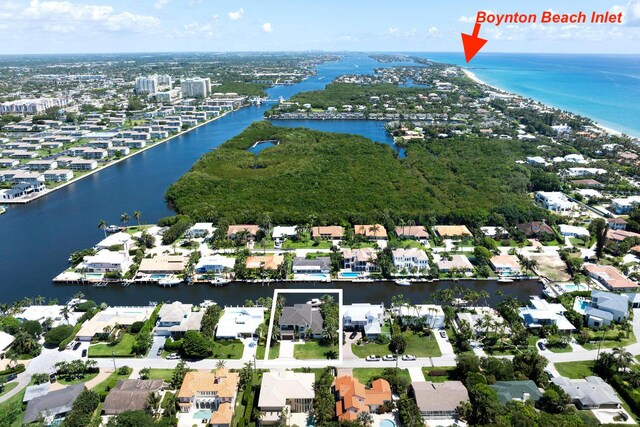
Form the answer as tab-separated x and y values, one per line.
372	358
542	346
52	378
353	335
389	358
173	356
408	357
70	345
76	345
443	334
84	352
159	353
10	377
549	374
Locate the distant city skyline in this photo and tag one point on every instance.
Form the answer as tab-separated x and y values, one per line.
112	26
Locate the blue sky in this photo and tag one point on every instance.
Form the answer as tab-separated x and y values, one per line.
41	26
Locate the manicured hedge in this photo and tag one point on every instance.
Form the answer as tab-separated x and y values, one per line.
67	340
628	393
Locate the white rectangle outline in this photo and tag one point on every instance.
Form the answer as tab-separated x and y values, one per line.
308	291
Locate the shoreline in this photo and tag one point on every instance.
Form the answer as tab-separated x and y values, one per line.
610	131
114	162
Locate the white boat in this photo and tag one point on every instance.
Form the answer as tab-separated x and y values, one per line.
459	302
170	281
112	229
315	302
220	281
505	280
363	280
403	282
2	210
208	303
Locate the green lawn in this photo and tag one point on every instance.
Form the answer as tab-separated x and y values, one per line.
122	349
310	244
8	387
407	244
439	379
231	349
564	349
609	341
109	383
161	374
83	379
575	369
422	346
370	348
364	375
313	350
274	351
11	406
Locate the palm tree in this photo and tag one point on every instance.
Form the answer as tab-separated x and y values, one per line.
220	364
124	218
151	405
137	215
374	229
365	418
102	225
39	300
65	312
623	358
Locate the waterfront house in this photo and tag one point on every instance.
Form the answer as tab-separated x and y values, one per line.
540	312
117	239
53	405
412	259
177	318
130	395
606	307
362	260
430	315
215	264
83	165
250	229
58	175
414	232
268	262
105	261
280	390
239	322
210	391
452	231
163	264
364	317
505	265
589	393
352	397
22	189
319	265
200	229
439	400
109	318
5	343
610	277
521	391
300	321
483	320
459	263
48	314
331	232
370	231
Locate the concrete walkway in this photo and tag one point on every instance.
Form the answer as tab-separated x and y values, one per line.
102	375
416	373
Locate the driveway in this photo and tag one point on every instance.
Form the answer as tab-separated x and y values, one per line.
445	346
286	349
158	342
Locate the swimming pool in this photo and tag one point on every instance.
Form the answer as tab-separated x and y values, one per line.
387	423
349	274
158	276
580	304
572	287
202	415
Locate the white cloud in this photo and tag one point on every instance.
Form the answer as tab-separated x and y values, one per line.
159	4
238	14
267	27
433	31
392	30
471	19
630	13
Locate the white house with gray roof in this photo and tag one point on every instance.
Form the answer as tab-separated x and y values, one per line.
177	318
589	393
615	306
364	316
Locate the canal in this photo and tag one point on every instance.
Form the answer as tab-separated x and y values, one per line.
36	239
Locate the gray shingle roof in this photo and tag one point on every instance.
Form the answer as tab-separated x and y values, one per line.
509	390
302	315
604	315
54	403
322	263
130	395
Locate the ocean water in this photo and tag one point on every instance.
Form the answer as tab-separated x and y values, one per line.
605	88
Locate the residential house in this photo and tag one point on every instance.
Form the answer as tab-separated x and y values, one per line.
573	231
625	205
251	231
540	312
280	234
200	229
412	260
330	232
280	390
238	322
300	321
516	390
48	314
494	232
617	235
477	318
458	263
352	397
362	259
414	232
268	262
606	307
320	265
554	201
535	229
163	264
505	265
364	317
452	231
431	315
634	299
111	317
105	261
115	239
610	277
177	318
130	395
210	391
616	223
54	405
370	231
5	343
589	393
216	264
439	400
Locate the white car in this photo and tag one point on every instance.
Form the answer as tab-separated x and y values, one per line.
372	358
389	358
408	357
71	344
173	356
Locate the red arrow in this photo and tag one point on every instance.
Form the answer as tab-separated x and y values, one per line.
472	43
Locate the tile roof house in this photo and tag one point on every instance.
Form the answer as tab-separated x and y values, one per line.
618	235
130	395
505	265
589	393
366	317
416	232
163	264
534	229
370	231
285	389
449	231
268	262
327	232
410	259
616	223
352	397
214	391
439	400
458	262
610	277
52	404
360	259
516	390
177	318
299	321
251	229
